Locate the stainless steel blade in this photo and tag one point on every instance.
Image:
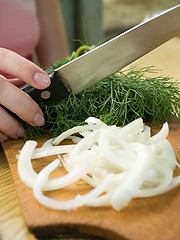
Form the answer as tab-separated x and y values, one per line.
120	51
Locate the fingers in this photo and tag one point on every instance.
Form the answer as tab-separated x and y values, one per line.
23	69
20	103
16	81
9	127
14	99
3	137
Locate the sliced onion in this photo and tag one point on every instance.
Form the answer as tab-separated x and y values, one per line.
160	135
134	177
167	177
69	132
78	201
25	169
50	151
120	163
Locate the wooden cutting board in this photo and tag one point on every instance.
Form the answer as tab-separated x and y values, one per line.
152	218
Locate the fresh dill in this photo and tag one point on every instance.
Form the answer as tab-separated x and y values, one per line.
118	100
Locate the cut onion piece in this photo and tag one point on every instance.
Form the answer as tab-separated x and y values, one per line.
25	169
69	132
50	151
134	177
78	201
163	185
120	163
160	135
48	143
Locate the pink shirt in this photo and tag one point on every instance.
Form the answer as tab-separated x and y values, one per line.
19	26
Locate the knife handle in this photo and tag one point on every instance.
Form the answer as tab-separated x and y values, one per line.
54	92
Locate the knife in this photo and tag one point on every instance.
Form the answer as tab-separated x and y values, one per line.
108	58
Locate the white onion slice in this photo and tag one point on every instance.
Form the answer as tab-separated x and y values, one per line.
134	127
134	177
48	143
78	201
50	151
160	135
166	178
69	132
25	170
119	163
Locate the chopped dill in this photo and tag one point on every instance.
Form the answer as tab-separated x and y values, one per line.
118	100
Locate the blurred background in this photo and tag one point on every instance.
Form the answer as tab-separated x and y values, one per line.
91	21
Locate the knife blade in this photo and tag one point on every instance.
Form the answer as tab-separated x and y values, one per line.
108	58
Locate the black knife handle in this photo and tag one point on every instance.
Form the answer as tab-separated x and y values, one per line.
54	92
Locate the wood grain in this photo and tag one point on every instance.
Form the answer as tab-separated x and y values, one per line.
151	219
10	211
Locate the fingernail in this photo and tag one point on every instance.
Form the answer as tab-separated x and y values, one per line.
3	137
41	79
20	132
39	119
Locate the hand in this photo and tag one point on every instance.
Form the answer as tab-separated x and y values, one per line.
14	99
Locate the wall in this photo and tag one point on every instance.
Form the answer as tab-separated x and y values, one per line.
119	15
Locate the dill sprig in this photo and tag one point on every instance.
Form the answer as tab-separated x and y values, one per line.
118	99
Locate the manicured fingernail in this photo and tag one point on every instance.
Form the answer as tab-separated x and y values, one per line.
20	132
3	137
39	119
41	79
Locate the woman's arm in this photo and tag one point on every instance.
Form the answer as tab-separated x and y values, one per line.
53	43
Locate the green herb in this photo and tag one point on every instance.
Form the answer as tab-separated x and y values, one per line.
118	100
